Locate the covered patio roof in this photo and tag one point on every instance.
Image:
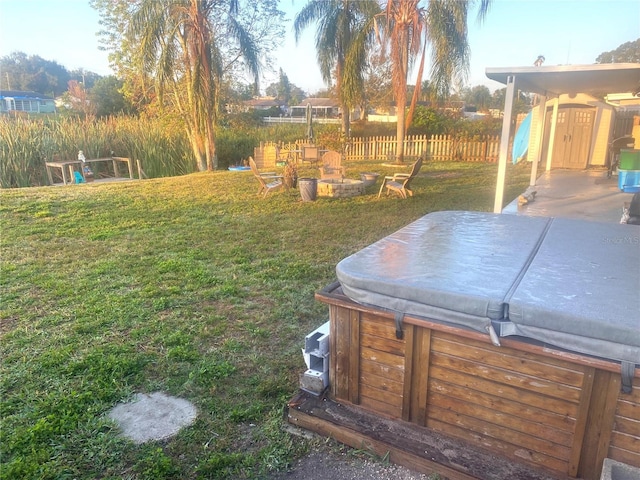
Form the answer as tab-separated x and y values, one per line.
572	79
553	81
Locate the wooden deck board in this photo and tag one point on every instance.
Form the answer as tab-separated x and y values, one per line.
415	447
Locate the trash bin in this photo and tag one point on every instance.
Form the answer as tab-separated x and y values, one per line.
308	188
629	180
629	159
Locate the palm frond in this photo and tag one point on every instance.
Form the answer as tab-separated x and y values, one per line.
248	48
449	46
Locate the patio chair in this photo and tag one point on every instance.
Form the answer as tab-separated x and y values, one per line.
400	182
268	180
331	166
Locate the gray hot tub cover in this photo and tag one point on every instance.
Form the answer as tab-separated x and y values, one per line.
572	284
454	267
582	290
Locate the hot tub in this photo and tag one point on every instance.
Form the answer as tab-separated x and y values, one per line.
520	334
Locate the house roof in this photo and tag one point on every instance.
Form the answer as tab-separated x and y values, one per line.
262	102
572	79
319	102
23	94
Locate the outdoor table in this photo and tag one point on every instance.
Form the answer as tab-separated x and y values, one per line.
63	166
296	154
114	160
68	166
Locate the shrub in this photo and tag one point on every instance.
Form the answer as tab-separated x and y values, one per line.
233	146
430	121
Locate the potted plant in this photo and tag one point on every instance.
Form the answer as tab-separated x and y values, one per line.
290	174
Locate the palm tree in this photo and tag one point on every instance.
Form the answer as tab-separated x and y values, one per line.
178	45
343	36
409	28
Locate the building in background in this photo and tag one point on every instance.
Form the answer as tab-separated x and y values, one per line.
29	102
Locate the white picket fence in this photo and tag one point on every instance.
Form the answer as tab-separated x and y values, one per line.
333	121
438	147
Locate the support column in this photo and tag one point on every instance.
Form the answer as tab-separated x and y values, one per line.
552	133
504	143
542	111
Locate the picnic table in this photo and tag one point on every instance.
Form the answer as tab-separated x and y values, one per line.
68	167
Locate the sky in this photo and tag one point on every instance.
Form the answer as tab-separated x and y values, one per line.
514	34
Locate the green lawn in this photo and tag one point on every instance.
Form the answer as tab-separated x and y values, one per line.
189	285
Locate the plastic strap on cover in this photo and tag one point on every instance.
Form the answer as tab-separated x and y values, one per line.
627	370
399	333
495	339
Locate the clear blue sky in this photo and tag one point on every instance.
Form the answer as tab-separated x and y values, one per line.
514	34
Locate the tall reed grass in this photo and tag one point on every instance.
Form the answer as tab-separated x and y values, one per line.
23	146
160	146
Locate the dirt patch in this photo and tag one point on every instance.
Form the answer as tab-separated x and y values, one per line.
7	324
153	416
249	439
329	464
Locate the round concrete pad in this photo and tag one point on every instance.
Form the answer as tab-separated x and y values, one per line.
153	416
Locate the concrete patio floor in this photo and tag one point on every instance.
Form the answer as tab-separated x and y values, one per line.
580	194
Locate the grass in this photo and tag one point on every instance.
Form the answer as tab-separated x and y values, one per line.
190	285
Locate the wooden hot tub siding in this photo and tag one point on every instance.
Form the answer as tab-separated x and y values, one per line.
553	410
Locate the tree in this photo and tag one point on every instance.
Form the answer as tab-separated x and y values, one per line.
323	93
33	73
236	94
480	96
115	16
431	121
409	29
378	91
286	91
522	102
284	88
280	89
87	78
343	37
179	56
272	89
106	95
297	95
628	52
77	97
427	93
